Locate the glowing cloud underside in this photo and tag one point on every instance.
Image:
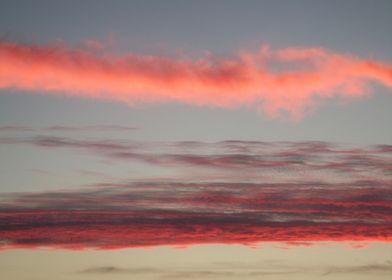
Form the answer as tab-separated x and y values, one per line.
153	214
290	80
332	194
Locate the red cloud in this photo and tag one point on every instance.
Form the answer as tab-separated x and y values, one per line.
290	79
347	198
155	214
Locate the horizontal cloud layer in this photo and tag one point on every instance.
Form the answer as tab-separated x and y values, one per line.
164	213
290	80
243	270
63	128
265	192
236	160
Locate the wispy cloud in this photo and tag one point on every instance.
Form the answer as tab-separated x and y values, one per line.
64	128
121	270
90	128
16	128
247	270
383	268
285	161
291	80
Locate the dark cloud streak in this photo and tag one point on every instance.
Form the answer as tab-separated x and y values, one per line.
63	128
372	161
154	214
305	192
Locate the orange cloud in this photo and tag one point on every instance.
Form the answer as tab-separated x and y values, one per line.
290	80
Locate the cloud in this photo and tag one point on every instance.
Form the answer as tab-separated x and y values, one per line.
297	193
115	270
166	213
189	272
291	80
63	128
300	161
15	128
244	270
90	128
383	268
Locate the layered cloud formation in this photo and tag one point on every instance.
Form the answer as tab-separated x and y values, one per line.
236	160
289	80
164	213
265	192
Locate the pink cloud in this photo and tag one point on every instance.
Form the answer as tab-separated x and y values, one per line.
291	80
181	214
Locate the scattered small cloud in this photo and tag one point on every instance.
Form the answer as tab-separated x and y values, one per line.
244	270
63	128
121	270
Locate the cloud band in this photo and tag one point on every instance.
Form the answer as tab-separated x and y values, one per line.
290	80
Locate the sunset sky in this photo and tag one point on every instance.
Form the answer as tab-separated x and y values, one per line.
195	139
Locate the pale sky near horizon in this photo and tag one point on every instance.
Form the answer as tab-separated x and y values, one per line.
60	143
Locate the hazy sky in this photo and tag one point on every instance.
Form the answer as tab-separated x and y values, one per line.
167	124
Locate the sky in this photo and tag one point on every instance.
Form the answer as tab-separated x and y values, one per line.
195	139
